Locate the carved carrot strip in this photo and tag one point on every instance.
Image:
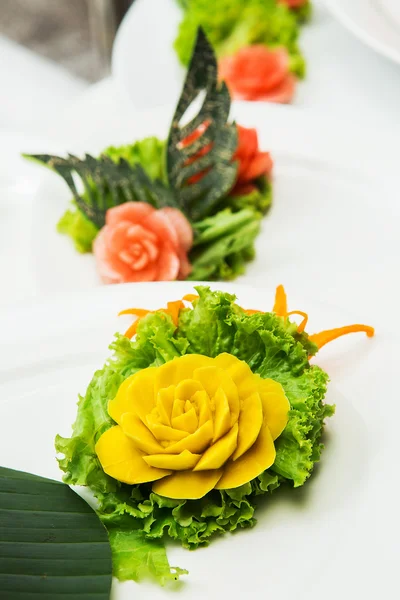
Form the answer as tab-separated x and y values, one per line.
324	337
280	306
302	326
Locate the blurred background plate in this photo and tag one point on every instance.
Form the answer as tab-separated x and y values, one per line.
375	22
333	227
344	79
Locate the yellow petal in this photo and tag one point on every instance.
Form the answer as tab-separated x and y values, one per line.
163	432
222	415
162	405
275	405
187	388
121	460
254	462
250	423
202	402
166	397
140	435
186	422
174	371
212	378
174	462
237	369
218	453
136	394
197	442
178	408
187	485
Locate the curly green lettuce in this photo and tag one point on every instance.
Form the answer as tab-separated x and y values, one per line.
149	153
304	13
138	519
260	199
75	225
233	24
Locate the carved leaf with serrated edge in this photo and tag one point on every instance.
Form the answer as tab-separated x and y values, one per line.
200	173
107	184
208	157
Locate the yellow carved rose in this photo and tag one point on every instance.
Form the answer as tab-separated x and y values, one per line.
193	424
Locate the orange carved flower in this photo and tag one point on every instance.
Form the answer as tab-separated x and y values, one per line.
258	73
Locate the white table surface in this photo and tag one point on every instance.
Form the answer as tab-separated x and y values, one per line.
347	83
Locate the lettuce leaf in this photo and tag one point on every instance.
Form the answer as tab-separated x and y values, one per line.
223	244
304	13
149	152
138	519
259	200
233	24
82	231
136	557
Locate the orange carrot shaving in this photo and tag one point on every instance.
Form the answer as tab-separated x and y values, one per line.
280	306
131	331
250	311
302	326
173	309
324	337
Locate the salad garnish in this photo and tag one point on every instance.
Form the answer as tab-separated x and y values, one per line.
208	407
189	207
256	43
280	309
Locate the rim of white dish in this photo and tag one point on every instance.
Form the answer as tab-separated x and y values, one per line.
361	32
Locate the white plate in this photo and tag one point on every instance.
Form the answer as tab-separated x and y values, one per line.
375	22
145	63
49	354
335	218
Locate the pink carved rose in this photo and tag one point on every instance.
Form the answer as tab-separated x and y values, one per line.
258	73
140	243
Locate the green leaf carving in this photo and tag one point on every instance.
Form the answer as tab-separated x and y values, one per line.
106	184
209	153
